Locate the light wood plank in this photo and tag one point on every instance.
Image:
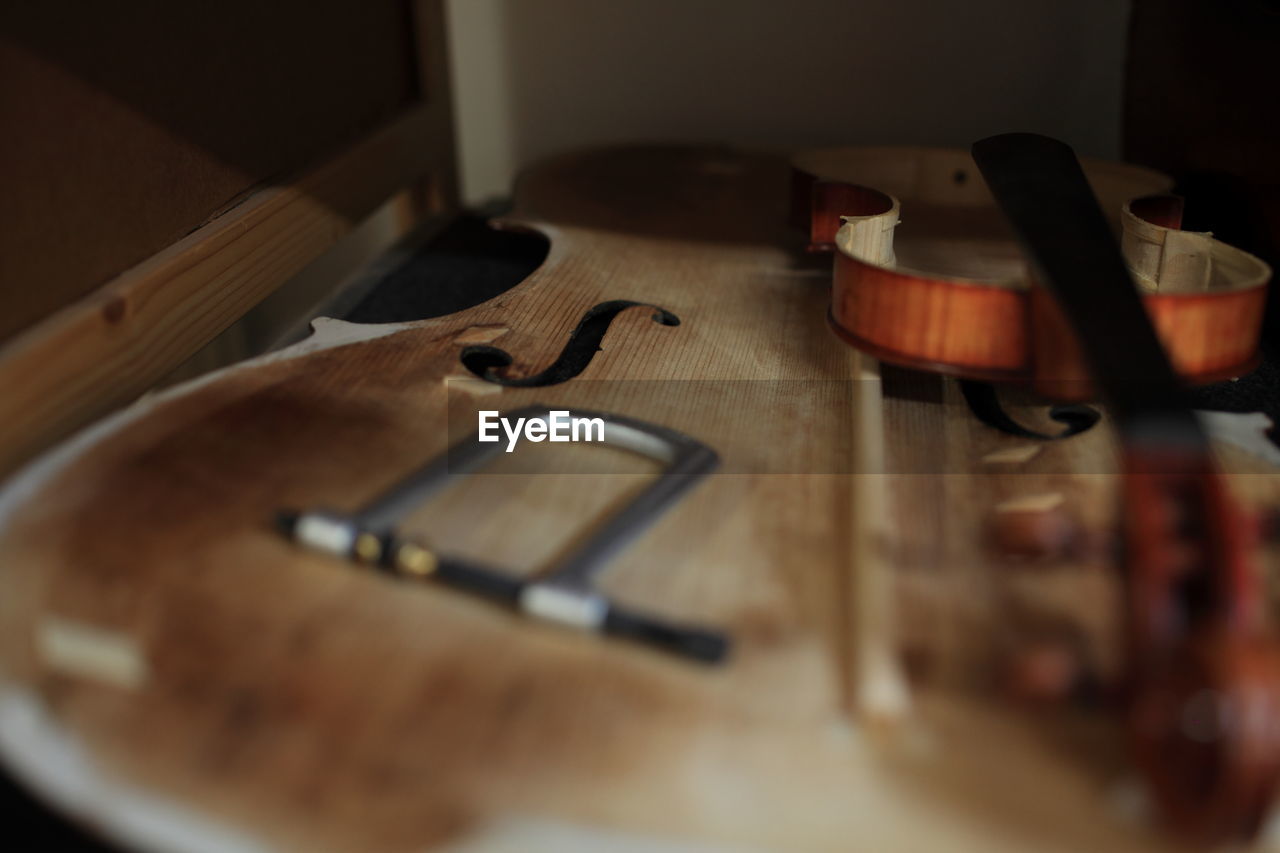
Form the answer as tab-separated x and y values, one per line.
111	346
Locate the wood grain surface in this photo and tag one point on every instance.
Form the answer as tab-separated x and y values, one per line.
262	697
129	126
106	349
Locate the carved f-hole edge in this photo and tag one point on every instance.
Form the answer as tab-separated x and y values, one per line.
984	403
489	363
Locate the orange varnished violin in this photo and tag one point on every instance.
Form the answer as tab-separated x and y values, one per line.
950	293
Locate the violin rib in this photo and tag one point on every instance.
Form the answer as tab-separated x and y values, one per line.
953	295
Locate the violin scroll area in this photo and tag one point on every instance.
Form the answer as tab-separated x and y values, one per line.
490	363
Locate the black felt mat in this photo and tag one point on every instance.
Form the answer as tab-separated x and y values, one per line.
467	263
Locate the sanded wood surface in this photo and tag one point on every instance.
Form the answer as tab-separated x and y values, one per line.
267	696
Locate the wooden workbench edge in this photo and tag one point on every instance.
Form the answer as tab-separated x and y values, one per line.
108	348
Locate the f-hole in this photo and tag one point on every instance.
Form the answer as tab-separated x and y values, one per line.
985	405
490	363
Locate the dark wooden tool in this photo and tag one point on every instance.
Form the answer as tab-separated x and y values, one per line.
1204	670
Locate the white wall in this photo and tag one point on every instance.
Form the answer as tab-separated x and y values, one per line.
532	77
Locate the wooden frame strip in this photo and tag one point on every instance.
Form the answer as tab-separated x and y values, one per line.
110	347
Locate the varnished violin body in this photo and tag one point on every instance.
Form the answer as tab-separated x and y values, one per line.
953	294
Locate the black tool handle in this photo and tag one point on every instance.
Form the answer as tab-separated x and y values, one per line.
1039	184
700	644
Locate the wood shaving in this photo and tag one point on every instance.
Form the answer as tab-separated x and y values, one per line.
1015	455
480	334
471	385
1032	503
96	654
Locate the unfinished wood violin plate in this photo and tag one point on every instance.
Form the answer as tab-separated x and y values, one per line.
181	677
